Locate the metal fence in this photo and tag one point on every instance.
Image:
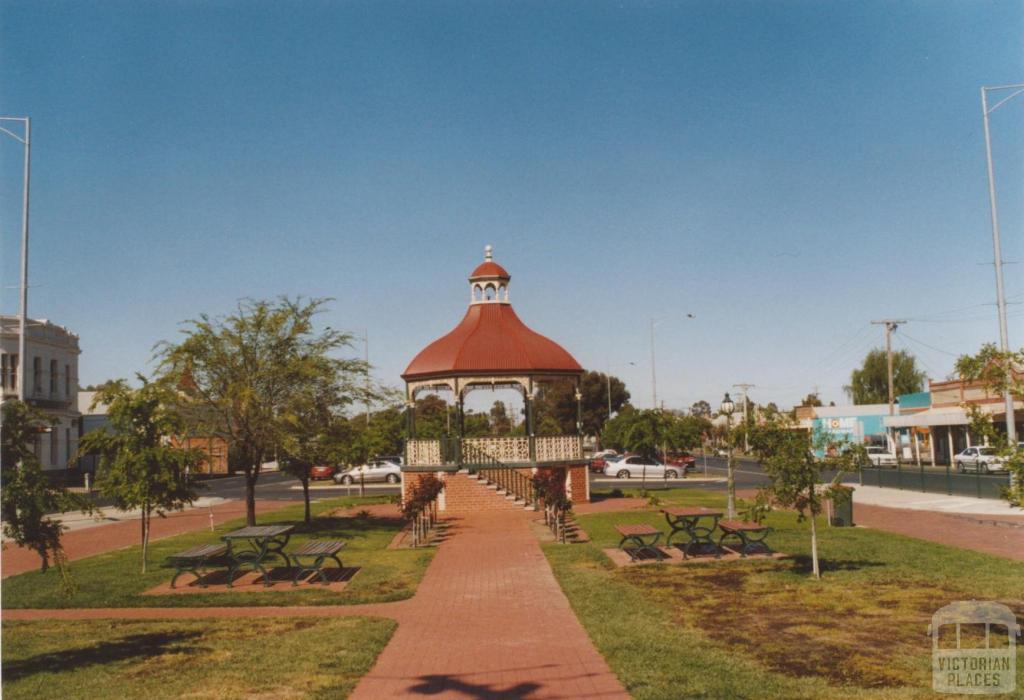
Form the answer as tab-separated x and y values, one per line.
931	480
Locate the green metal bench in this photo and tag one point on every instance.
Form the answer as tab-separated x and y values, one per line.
194	560
751	535
644	538
317	551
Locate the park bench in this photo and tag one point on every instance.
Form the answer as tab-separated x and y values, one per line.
194	560
751	535
316	552
643	538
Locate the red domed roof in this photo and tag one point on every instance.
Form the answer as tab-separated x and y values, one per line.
489	268
491	340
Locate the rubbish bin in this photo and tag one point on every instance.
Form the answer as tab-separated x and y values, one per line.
840	512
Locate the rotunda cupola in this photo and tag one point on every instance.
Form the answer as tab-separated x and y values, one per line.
488	283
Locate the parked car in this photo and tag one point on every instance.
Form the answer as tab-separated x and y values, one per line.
601	458
684	460
980	459
880	457
320	471
635	466
374	470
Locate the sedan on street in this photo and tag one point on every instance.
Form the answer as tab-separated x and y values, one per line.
373	471
880	457
980	459
635	466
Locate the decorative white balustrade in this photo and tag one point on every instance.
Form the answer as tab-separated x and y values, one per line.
422	453
507	450
558	448
503	449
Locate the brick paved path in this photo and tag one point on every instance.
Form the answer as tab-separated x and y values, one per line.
90	541
489	620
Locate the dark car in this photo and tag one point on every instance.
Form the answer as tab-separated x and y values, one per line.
321	471
683	460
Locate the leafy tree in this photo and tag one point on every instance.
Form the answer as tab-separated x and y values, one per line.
434	418
812	399
100	386
139	466
701	409
789	462
242	372
501	424
557	401
998	372
26	494
870	383
314	427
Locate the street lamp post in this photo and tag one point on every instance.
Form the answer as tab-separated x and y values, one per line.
609	378
1004	341
23	315
727	408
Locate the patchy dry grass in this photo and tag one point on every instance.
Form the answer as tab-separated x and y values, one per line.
765	628
222	659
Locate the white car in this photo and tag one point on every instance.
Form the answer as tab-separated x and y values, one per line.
634	466
880	457
980	459
374	470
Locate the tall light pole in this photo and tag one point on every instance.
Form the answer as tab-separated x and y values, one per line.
746	422
654	374
609	378
26	141
1004	340
727	408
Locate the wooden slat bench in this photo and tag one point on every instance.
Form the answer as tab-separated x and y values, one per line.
751	535
644	538
318	551
194	560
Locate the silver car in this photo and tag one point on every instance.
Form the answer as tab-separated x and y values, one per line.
635	466
373	471
880	457
980	459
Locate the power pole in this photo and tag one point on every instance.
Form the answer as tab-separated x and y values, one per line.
890	324
366	349
746	425
654	376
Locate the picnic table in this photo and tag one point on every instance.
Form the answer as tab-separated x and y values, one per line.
264	541
194	560
644	538
751	535
687	521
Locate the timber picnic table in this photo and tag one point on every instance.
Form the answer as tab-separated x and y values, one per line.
644	538
751	535
264	541
687	521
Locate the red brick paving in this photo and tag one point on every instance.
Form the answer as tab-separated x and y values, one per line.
98	539
489	620
999	535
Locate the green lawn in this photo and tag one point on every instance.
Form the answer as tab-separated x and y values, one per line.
765	628
215	659
113	579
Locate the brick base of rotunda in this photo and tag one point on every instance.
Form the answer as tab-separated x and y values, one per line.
464	493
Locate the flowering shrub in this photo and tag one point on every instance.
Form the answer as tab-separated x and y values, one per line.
425	491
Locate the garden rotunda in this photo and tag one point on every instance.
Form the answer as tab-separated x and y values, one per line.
491	348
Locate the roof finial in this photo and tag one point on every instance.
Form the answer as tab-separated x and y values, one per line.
487	252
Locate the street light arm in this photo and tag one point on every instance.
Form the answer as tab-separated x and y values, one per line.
14	136
1003	101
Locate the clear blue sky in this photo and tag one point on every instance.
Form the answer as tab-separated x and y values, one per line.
786	171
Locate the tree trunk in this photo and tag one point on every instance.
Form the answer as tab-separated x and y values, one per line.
305	496
250	495
44	558
814	546
145	534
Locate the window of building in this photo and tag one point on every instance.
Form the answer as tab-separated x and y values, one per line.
67	381
37	375
53	446
3	370
53	378
67	442
12	368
